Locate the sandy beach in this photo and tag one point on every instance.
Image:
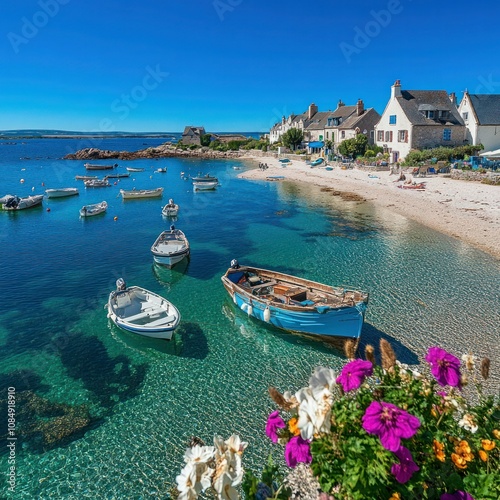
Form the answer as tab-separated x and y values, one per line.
469	211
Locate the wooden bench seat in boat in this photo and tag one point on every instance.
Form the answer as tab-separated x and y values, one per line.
162	320
149	311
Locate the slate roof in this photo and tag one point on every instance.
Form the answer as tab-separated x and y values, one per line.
354	120
318	121
414	101
487	108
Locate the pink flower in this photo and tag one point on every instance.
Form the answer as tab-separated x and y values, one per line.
389	423
274	422
297	450
458	495
444	367
353	374
406	467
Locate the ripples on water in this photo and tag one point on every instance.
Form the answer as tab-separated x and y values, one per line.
123	406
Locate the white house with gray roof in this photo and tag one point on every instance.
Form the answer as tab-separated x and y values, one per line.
481	114
418	119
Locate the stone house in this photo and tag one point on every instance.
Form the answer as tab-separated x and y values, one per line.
192	135
481	114
348	121
418	119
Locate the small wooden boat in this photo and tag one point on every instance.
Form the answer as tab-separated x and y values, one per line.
89	166
117	176
161	170
170	247
205	186
95	183
85	177
95	209
317	162
204	178
61	192
17	203
131	169
136	194
143	312
295	304
171	209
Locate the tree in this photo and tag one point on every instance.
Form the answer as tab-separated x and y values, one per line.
354	147
205	139
292	137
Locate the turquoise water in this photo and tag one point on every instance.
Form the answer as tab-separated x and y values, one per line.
104	413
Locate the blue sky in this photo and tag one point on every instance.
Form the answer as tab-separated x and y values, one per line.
231	65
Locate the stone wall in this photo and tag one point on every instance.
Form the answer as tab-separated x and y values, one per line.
474	175
430	136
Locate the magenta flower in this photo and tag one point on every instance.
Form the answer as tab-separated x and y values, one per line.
458	495
274	422
406	467
389	423
444	367
297	450
353	374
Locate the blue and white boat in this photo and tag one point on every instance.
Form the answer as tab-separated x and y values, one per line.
296	305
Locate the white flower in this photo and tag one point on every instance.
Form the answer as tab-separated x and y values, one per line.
322	382
467	422
235	444
187	484
314	416
469	360
225	487
199	454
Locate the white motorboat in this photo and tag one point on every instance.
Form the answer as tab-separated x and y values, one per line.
171	209
170	247
17	203
61	192
205	185
205	178
95	209
141	193
131	169
85	177
143	312
95	183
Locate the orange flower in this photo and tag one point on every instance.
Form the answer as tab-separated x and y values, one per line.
395	496
292	426
463	455
496	433
487	444
483	455
439	450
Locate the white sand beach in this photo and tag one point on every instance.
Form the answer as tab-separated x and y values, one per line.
467	210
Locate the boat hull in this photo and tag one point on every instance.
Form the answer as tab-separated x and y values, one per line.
153	316
88	166
170	260
92	210
139	195
205	186
24	203
170	248
61	193
344	321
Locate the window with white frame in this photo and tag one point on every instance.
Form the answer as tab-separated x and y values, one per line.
380	135
388	136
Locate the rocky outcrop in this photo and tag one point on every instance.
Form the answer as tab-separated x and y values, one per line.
166	150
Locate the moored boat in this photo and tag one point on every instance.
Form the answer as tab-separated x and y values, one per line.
143	312
61	192
17	203
295	304
171	209
94	209
94	183
205	185
141	193
90	166
85	177
170	247
131	169
205	178
117	176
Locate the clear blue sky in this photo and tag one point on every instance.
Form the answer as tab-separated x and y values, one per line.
231	65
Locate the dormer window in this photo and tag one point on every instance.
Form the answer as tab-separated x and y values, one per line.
444	114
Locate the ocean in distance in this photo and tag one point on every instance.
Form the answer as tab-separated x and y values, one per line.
102	413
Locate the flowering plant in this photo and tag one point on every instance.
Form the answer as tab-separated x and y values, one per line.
390	432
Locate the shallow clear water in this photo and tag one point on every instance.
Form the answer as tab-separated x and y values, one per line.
121	407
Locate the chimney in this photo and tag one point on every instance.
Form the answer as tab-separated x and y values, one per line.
453	98
313	109
340	104
396	89
360	108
